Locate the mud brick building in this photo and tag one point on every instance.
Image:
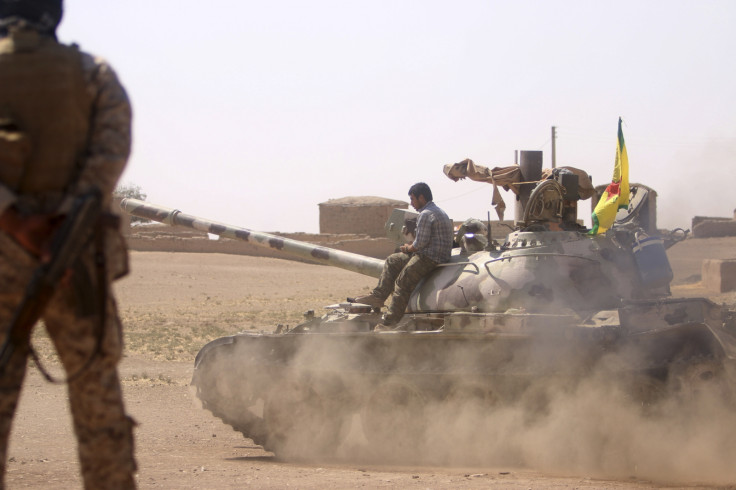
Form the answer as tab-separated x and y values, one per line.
357	214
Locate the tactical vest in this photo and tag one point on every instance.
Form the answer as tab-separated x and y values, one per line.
45	111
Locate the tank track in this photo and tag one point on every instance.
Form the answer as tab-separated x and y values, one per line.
672	361
248	424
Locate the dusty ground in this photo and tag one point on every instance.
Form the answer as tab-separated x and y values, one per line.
171	305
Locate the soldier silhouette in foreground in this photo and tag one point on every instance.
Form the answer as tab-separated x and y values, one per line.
65	132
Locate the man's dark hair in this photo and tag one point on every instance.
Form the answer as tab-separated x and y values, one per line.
421	189
43	15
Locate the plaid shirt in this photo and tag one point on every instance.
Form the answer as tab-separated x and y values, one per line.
434	234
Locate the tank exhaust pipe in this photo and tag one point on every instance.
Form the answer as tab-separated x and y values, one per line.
361	264
530	163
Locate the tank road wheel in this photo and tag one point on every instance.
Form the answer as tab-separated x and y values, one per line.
472	395
644	390
393	419
303	423
693	378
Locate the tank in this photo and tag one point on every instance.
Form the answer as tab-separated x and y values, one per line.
501	323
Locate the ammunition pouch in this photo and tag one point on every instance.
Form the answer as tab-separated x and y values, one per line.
15	147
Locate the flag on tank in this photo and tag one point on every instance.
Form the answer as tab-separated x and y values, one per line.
616	195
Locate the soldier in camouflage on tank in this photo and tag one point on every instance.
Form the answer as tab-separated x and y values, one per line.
403	270
65	128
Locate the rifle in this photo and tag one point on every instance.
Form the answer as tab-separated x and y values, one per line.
67	245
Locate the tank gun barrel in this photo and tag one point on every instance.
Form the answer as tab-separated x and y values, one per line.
361	264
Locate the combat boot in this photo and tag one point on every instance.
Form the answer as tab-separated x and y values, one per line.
369	300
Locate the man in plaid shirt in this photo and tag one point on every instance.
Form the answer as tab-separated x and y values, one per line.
403	270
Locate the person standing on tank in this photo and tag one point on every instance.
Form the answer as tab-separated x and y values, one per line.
403	270
65	131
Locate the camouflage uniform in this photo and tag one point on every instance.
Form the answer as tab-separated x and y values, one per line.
73	318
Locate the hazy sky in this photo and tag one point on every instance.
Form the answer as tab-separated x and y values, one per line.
254	112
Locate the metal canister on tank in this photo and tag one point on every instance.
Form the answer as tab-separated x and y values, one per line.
651	261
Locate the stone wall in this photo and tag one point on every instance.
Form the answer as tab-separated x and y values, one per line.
707	227
719	275
163	238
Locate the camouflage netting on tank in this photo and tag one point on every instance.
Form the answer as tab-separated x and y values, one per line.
508	178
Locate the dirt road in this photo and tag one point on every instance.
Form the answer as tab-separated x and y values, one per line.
171	305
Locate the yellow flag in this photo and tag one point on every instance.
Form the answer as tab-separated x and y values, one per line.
616	195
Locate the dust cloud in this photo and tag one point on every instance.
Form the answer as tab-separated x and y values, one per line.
348	407
596	430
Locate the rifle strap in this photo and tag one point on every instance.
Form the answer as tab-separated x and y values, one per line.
101	292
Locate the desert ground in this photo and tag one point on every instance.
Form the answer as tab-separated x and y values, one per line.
173	303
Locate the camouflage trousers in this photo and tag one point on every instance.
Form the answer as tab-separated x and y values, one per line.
401	274
104	432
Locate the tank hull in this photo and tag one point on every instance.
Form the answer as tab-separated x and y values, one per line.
298	393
